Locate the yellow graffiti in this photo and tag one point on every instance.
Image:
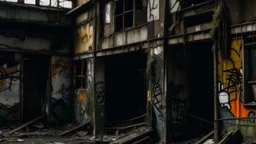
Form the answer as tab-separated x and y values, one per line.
230	74
84	38
149	96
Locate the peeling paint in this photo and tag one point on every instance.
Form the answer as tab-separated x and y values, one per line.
84	38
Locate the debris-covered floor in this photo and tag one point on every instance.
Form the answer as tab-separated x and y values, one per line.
37	133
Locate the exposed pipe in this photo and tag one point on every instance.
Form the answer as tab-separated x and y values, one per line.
215	73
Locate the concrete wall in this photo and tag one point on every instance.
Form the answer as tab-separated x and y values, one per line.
84	38
62	94
19	39
84	33
131	36
10	87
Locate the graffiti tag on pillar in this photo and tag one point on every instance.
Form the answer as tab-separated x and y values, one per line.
100	92
153	10
64	92
156	99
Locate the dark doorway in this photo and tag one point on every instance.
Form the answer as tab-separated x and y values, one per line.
190	91
125	87
35	76
201	87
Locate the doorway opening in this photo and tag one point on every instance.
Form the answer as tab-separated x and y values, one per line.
35	76
201	87
190	91
125	88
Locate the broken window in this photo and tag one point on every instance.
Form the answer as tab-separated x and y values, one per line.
65	3
250	72
50	3
33	2
11	0
107	13
44	2
129	13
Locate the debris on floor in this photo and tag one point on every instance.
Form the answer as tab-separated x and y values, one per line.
209	141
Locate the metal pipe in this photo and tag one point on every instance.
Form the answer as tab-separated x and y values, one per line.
201	119
165	76
93	70
216	124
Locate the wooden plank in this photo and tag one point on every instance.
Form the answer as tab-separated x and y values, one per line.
135	118
126	127
205	138
75	128
130	137
24	125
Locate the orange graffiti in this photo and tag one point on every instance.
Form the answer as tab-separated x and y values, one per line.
60	67
230	74
149	96
81	97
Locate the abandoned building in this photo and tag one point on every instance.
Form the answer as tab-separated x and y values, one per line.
128	71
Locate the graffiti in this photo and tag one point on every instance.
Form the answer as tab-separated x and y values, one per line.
65	93
230	85
62	94
82	97
156	99
8	76
177	106
153	10
100	92
178	111
84	38
60	68
223	96
83	110
89	72
82	113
